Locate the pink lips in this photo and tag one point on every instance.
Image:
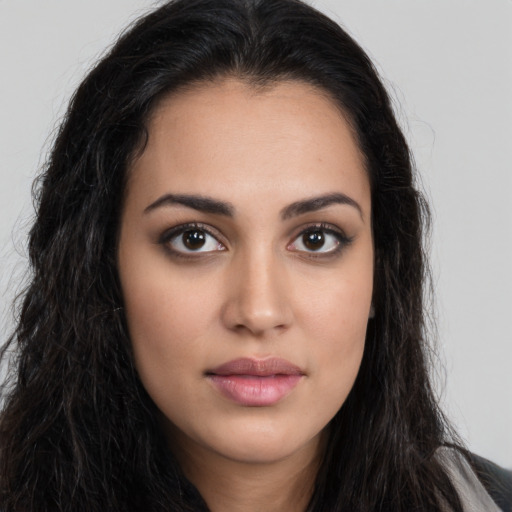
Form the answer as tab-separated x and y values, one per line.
254	382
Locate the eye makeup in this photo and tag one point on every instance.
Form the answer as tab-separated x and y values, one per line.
320	240
192	240
195	240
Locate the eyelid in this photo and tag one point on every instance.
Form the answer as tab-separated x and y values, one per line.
339	234
167	236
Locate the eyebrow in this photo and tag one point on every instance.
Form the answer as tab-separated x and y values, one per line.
210	205
317	203
196	202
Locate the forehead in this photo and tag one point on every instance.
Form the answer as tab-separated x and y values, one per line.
228	137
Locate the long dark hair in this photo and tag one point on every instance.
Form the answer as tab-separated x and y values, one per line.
78	431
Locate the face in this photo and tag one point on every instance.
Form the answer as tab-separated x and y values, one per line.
246	265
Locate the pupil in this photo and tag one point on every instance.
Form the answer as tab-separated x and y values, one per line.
313	240
193	239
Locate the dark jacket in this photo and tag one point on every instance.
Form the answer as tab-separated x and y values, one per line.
496	480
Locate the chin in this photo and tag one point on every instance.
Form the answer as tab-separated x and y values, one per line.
258	442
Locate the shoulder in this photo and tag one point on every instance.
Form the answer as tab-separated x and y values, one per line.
481	484
496	480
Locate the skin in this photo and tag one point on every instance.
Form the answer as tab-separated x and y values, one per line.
255	289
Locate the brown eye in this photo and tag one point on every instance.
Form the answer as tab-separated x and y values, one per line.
313	240
190	239
319	241
194	239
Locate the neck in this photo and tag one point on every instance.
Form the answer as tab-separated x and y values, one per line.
227	485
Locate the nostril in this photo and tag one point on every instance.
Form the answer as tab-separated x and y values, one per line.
258	329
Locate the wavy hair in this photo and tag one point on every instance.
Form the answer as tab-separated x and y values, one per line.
78	431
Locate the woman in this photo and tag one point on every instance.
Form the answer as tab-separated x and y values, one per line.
226	304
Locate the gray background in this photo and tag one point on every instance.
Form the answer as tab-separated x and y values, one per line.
448	66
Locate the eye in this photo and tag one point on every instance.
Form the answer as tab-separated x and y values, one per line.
319	240
191	239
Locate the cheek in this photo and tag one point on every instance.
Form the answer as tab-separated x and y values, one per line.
167	311
167	321
337	310
336	319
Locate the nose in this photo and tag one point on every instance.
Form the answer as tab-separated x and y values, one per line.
258	300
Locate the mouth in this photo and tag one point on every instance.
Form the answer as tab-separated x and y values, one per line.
255	382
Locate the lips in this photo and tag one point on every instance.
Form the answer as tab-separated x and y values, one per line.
255	382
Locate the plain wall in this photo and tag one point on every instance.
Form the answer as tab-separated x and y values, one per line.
448	66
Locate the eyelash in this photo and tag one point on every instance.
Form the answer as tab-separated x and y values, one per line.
341	240
168	236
